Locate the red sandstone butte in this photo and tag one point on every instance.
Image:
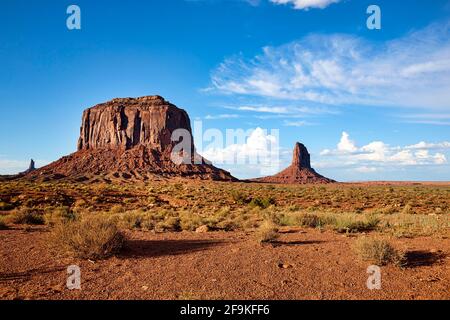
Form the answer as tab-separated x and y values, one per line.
130	138
299	172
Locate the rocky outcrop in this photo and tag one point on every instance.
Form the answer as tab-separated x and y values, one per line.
126	123
299	172
131	138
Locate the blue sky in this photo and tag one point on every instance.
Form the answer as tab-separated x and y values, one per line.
369	104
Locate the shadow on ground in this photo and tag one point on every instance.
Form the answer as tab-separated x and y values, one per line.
29	273
158	248
422	258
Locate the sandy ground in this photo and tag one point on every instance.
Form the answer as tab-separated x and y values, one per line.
305	264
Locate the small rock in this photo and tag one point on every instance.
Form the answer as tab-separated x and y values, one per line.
284	265
202	229
145	288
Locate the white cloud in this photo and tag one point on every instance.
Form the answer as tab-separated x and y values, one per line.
306	4
378	154
365	169
346	145
412	71
258	155
426	145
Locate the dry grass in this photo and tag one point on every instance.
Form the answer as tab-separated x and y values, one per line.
377	251
342	223
401	211
27	216
267	232
58	215
90	238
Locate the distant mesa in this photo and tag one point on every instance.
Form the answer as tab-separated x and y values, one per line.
130	138
299	172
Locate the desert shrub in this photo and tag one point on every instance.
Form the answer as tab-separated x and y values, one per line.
190	221
170	224
351	223
79	205
238	197
377	251
28	216
408	209
60	214
117	209
267	232
5	206
311	221
89	238
262	203
3	225
407	225
137	219
308	220
227	225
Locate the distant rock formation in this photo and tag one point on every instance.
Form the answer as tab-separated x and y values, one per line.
299	172
30	169
131	138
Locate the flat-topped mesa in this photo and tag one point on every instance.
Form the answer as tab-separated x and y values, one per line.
131	138
129	122
299	172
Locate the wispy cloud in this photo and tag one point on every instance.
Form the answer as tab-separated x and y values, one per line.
412	71
221	116
306	4
283	111
300	123
439	119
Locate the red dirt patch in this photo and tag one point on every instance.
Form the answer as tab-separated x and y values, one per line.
221	265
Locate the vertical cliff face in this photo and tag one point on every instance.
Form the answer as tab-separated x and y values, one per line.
301	157
126	123
131	138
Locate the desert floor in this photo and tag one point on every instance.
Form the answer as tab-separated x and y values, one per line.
165	258
303	264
